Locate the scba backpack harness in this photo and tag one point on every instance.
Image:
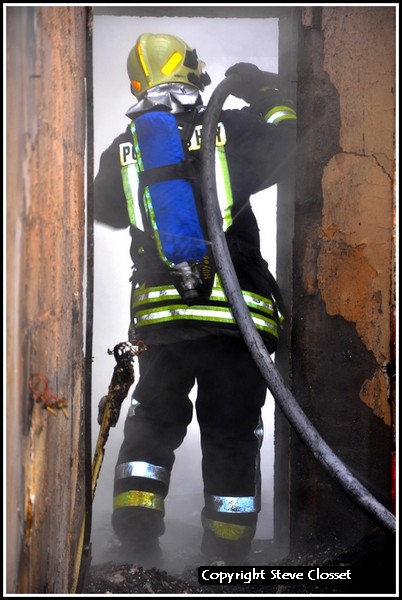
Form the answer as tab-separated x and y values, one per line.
163	201
166	193
163	172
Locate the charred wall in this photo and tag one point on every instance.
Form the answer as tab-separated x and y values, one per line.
343	253
46	128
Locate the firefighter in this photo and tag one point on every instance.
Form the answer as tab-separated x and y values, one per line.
182	315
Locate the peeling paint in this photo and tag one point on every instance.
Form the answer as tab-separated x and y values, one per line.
354	264
343	255
367	120
374	393
357	183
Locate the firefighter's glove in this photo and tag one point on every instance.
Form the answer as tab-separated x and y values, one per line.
250	82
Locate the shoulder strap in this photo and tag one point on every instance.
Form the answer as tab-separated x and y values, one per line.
187	123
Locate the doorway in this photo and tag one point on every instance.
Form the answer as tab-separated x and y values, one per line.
220	42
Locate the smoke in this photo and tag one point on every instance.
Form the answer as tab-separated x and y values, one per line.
220	43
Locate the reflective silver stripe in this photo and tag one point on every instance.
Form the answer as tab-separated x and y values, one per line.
165	293
133	406
280	116
215	314
223	314
232	504
130	182
137	151
252	300
130	185
142	469
279	113
223	187
144	295
259	432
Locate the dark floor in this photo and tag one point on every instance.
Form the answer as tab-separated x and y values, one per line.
372	563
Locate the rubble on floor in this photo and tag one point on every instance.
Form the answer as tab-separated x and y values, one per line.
375	556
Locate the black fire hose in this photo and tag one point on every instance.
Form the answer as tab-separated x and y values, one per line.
288	404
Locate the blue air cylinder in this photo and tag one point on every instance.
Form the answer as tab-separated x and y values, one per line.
168	196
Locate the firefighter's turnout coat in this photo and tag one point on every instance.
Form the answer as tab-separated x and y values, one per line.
197	341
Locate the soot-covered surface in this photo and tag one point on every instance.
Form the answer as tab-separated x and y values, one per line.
372	562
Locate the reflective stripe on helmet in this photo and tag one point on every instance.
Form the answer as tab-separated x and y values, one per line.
139	498
143	63
172	63
280	113
233	504
142	469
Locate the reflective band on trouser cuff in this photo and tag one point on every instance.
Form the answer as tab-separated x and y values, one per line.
280	113
233	504
138	498
142	469
229	531
259	432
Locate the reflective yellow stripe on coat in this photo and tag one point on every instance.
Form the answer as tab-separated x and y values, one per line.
161	304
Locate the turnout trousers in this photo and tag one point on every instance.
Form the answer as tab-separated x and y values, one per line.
230	394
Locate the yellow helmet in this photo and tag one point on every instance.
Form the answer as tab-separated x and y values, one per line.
163	58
